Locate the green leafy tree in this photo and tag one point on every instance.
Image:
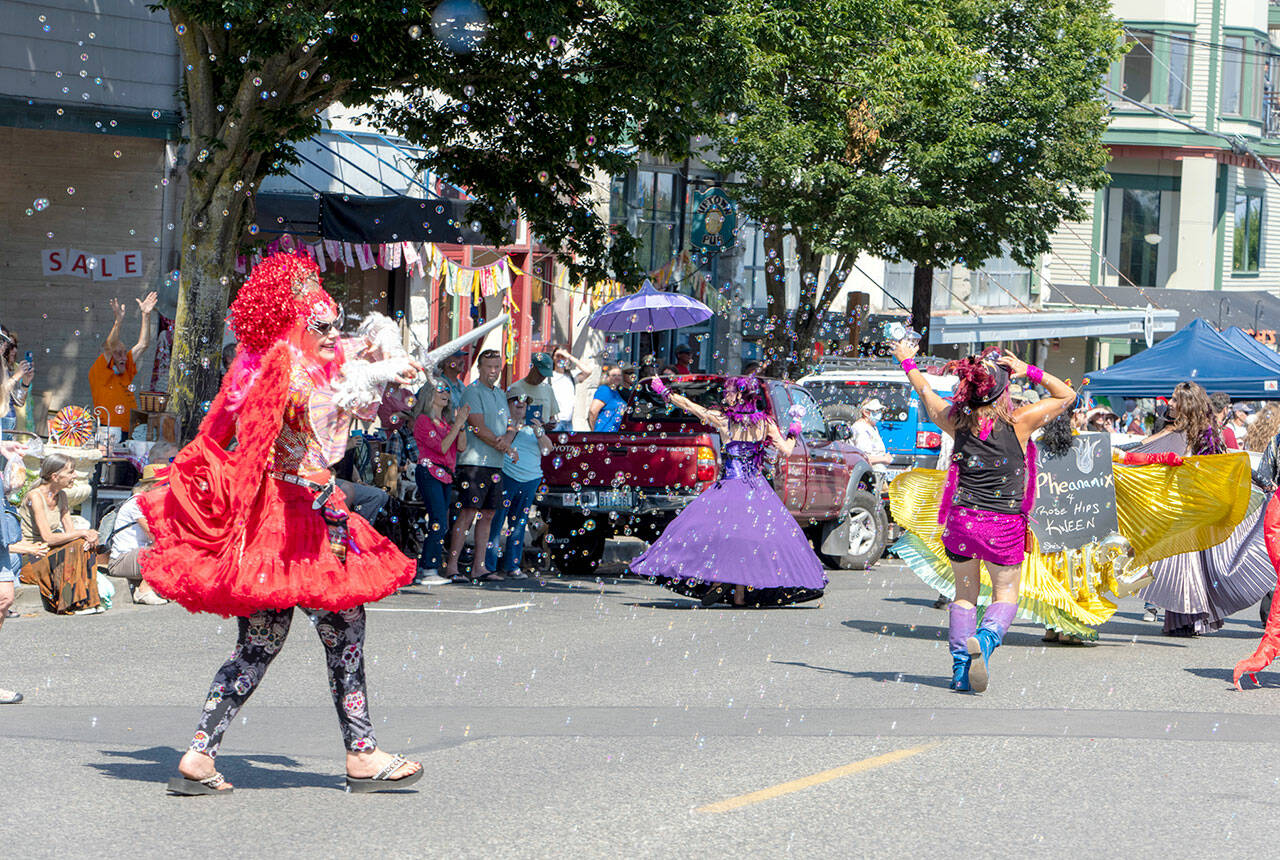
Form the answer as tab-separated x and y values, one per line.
928	131
523	110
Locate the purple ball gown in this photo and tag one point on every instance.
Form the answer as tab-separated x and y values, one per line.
737	532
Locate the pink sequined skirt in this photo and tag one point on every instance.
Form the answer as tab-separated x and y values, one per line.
992	537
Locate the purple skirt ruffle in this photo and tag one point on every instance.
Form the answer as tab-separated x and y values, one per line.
737	532
988	536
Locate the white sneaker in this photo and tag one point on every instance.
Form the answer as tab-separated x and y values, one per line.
92	610
1149	615
429	576
149	599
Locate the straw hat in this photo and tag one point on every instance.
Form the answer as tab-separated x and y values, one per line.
151	475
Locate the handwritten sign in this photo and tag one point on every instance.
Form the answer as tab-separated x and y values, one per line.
70	262
1075	495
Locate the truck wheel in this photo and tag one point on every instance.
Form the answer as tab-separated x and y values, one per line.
862	533
576	544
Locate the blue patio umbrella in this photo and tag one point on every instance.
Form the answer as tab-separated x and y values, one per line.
650	310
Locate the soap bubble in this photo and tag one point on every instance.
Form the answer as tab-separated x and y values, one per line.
40	204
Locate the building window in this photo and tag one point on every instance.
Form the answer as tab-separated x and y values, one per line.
899	282
755	293
1156	70
1139	236
1243	62
658	207
1136	68
1247	242
1179	67
1000	282
1232	74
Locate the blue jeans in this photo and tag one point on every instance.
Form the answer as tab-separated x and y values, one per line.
435	495
516	498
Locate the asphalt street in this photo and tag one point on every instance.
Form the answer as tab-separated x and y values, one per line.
576	718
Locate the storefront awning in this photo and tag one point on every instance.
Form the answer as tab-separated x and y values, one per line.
1053	322
1249	309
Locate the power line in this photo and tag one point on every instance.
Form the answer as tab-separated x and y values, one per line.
1176	37
1236	142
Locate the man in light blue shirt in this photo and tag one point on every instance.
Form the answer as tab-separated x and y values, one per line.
478	478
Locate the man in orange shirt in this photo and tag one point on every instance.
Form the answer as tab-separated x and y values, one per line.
111	376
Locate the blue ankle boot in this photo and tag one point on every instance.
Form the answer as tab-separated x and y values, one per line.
995	623
963	622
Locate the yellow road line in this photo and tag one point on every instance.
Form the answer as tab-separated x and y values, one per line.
814	779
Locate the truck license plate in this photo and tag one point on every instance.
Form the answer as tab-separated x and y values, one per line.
611	499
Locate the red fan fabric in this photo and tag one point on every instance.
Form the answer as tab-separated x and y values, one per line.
231	540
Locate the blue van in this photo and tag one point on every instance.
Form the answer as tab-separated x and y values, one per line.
841	387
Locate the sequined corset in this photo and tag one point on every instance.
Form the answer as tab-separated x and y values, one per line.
743	459
314	433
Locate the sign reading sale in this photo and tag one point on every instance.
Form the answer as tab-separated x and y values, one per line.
98	267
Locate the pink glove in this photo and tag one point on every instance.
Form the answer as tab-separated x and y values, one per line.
660	388
795	413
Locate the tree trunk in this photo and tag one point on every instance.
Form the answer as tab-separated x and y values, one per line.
790	347
922	303
210	244
776	341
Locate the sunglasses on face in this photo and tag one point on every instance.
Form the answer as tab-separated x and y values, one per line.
441	388
324	327
522	400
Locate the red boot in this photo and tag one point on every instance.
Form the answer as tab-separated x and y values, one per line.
1269	647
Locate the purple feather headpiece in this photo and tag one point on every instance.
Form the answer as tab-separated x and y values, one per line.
747	410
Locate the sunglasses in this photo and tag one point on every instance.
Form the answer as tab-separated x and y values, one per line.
442	388
324	327
520	398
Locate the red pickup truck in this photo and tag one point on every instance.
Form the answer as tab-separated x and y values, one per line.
633	482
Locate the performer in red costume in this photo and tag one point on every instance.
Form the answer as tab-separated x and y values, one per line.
255	529
1267	476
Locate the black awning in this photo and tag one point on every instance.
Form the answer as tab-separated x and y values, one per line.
347	218
369	220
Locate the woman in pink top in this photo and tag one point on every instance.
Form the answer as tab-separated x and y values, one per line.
439	439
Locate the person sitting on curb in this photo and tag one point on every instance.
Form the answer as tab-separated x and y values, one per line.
129	533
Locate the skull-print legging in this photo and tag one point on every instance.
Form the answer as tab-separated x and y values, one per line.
261	637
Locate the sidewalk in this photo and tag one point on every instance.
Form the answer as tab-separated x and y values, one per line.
27	598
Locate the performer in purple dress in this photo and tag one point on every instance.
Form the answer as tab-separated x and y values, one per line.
736	542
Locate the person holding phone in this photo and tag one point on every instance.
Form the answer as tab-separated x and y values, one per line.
440	432
15	379
521	477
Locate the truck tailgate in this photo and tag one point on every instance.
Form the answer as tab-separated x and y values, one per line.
629	460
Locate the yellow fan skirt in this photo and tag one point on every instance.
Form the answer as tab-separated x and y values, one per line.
1160	511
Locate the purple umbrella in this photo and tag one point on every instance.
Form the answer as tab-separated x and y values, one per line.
650	310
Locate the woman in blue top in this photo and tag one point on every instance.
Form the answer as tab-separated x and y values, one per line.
11	543
607	405
520	481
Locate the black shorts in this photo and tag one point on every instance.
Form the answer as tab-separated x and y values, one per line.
479	487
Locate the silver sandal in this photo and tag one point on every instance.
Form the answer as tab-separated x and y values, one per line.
382	781
193	787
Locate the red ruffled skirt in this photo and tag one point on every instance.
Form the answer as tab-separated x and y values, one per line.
279	557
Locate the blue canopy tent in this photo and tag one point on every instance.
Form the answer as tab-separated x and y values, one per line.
1197	353
1243	341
